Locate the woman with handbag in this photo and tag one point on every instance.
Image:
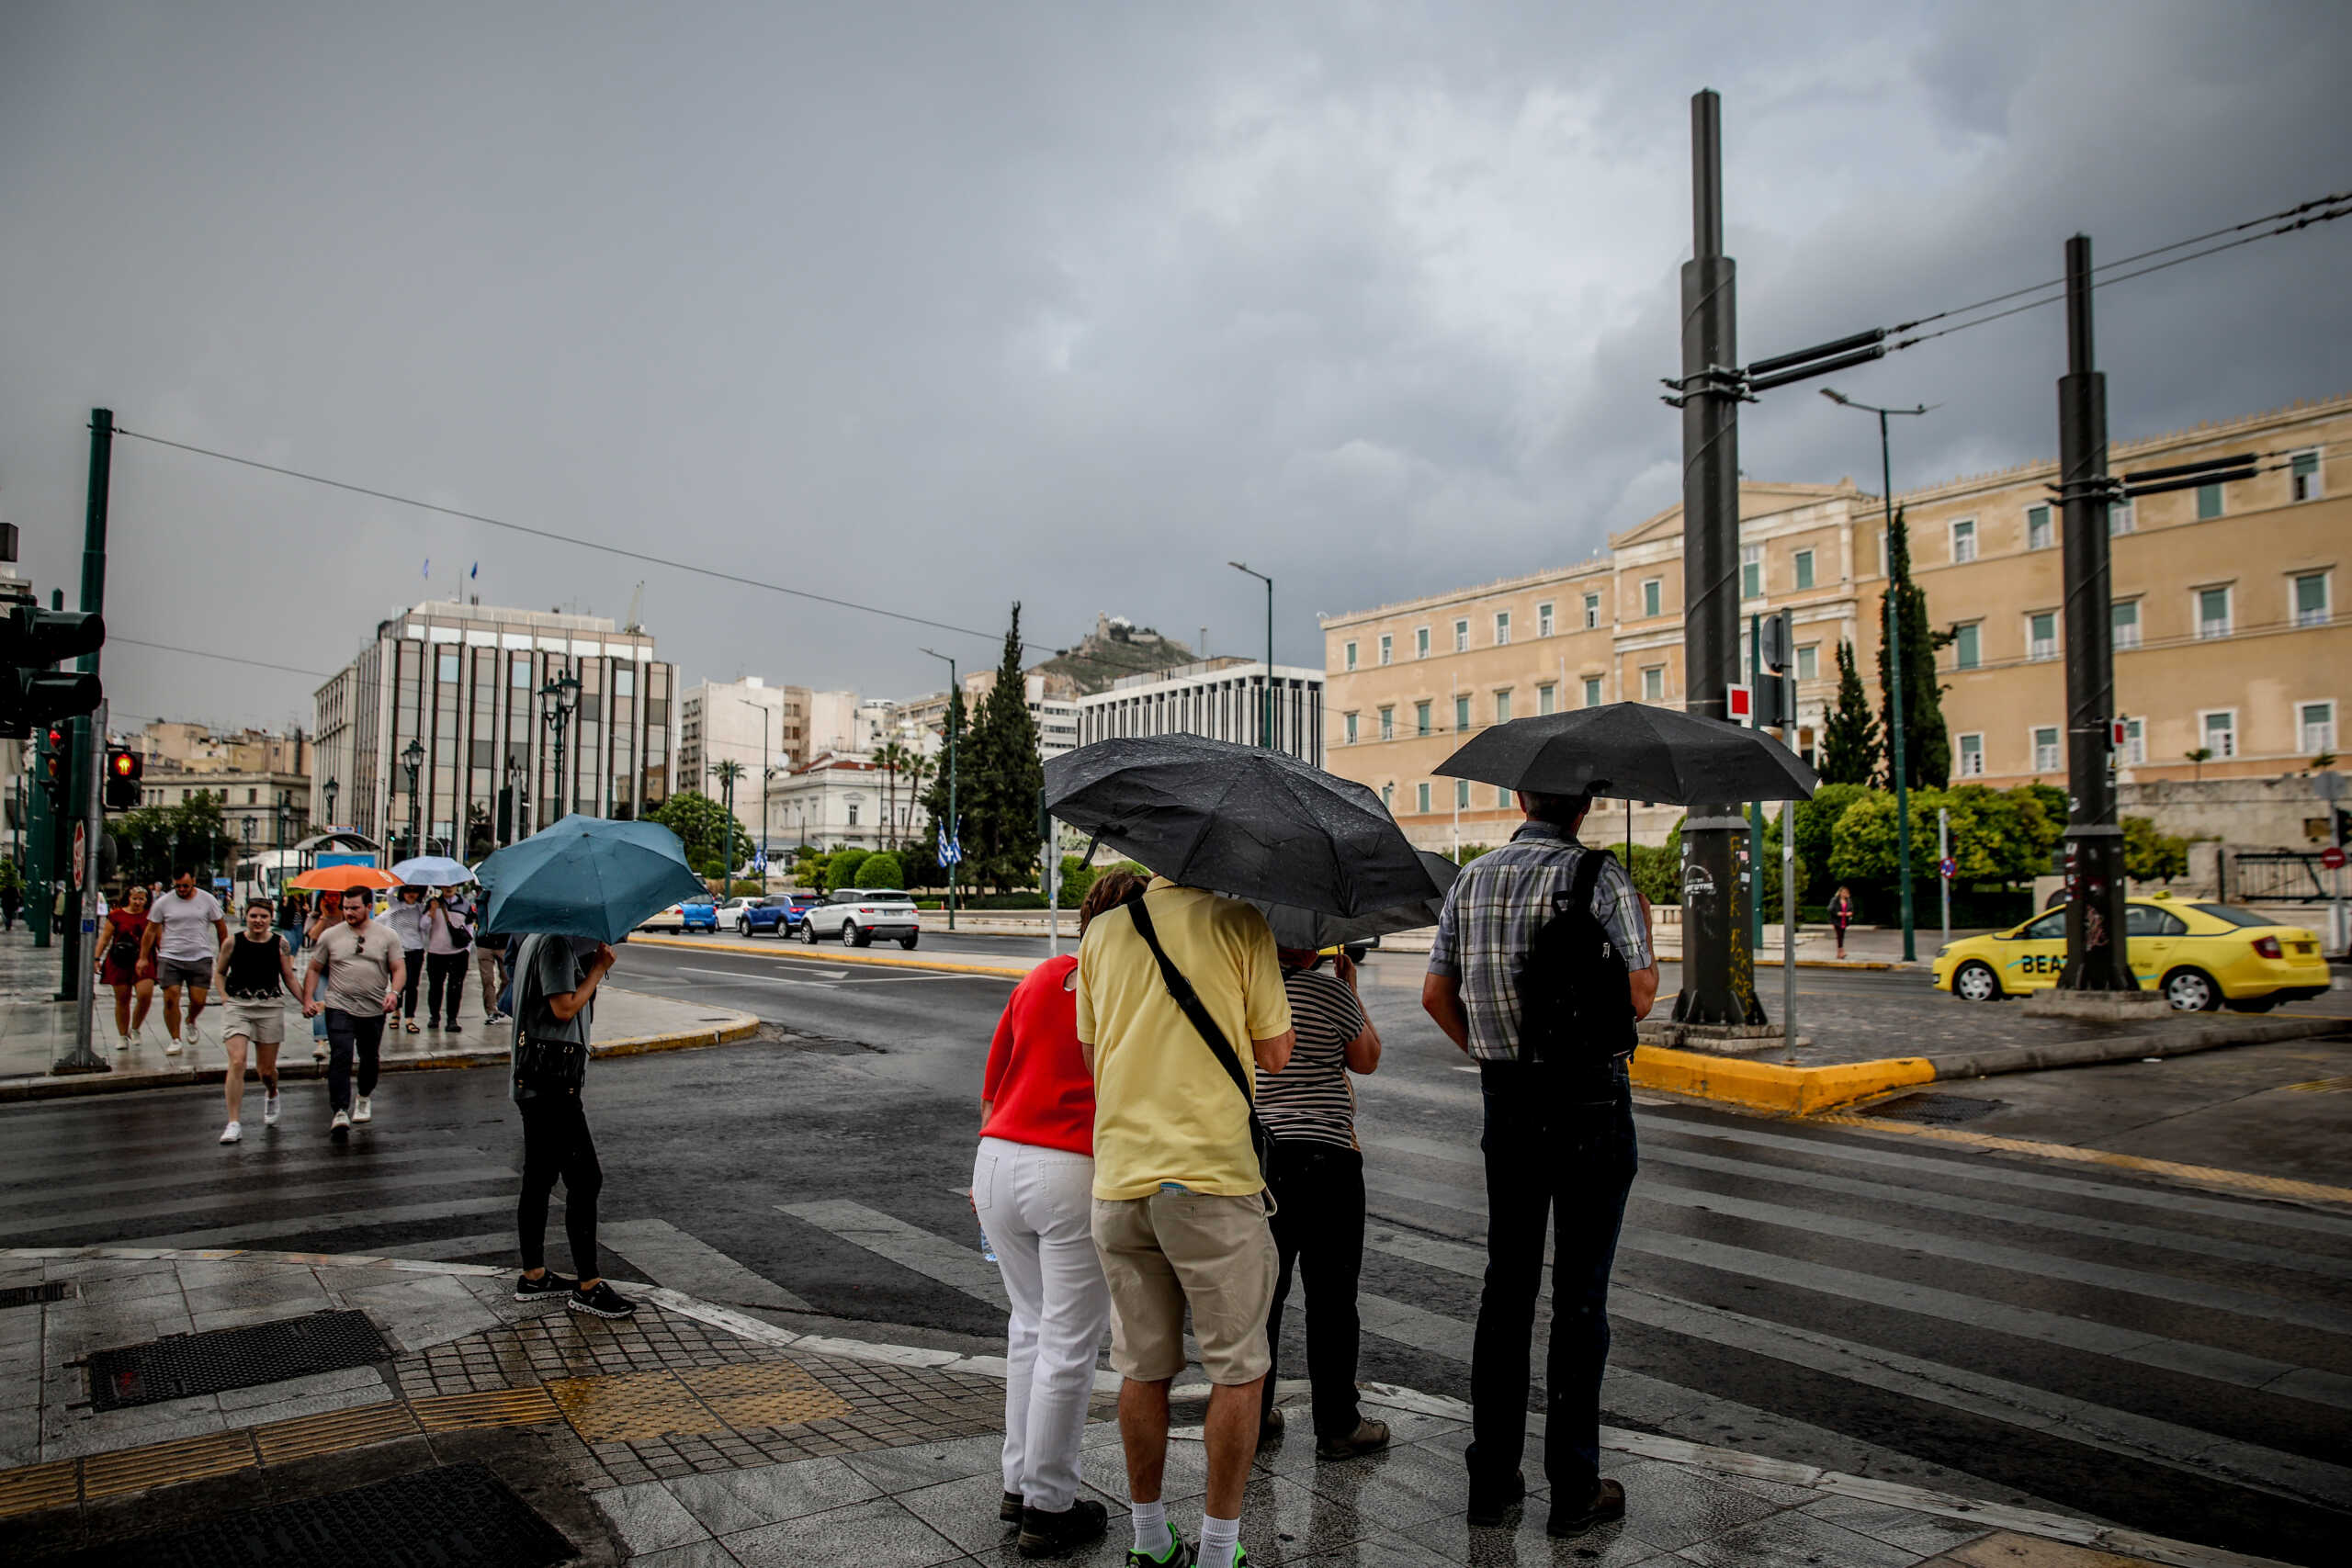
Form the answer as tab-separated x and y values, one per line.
448	943
555	989
118	967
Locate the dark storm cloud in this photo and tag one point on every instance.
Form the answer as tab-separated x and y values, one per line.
938	306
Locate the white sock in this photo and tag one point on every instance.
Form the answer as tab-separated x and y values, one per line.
1219	1540
1151	1528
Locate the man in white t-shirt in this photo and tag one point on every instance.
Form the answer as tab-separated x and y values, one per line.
185	930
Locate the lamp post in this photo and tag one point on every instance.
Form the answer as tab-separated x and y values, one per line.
1893	668
328	792
767	772
412	758
1266	720
561	696
955	829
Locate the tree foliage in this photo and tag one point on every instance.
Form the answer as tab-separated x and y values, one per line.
841	867
1851	750
1996	836
881	870
1927	743
2149	855
1004	778
1817	821
152	843
714	843
953	769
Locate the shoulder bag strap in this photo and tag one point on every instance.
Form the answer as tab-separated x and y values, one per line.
1181	991
1587	881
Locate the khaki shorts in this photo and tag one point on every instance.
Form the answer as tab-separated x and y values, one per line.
1161	1252
264	1023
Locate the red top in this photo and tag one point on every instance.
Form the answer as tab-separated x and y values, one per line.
1037	1082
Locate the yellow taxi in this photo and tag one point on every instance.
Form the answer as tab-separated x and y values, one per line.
2199	955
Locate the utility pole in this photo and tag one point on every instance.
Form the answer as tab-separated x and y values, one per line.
2096	955
1718	966
84	947
955	825
767	772
81	778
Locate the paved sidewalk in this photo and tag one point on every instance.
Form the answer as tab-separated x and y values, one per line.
694	1436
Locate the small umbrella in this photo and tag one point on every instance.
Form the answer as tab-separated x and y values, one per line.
1633	752
1295	927
586	876
340	878
432	871
1245	820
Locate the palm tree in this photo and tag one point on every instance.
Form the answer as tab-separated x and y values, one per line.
919	769
727	772
892	758
2198	757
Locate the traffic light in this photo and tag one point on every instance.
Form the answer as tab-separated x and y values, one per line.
33	691
57	765
125	768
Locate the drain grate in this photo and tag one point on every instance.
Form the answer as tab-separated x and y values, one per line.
1942	1110
452	1517
26	1295
234	1357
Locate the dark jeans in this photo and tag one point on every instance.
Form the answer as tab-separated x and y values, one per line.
348	1033
556	1147
415	963
1558	1140
1319	1230
445	973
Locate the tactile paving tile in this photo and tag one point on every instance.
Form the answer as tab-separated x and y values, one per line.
632	1407
38	1487
330	1431
490	1407
228	1359
166	1464
763	1394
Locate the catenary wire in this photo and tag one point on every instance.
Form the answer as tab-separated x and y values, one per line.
114	638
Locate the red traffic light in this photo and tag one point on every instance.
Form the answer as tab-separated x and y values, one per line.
124	768
125	765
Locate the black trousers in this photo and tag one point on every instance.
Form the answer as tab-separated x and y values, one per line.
1318	1233
1558	1142
350	1034
414	963
556	1147
444	973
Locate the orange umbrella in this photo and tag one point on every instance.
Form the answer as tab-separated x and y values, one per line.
336	878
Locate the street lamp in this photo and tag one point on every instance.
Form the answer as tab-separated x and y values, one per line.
412	757
328	792
1266	730
1894	665
767	772
955	829
561	697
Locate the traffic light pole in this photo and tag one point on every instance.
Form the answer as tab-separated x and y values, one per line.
88	733
84	948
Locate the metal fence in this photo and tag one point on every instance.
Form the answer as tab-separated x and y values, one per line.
2276	876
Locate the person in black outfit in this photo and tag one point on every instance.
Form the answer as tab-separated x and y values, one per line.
555	990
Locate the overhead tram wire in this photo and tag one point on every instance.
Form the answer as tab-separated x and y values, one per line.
114	638
553	537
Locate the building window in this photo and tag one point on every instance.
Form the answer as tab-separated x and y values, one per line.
1502	707
1461	714
2302	476
2036	528
2135	739
1389	798
1350	656
1971	756
1421	643
2311	599
2209	502
1388	724
2045	749
1420	719
1809	661
1502	629
447	666
1462	636
1422	798
1592	690
1966	651
2041	635
1804	569
1350	721
1752	571
1653	595
1503	795
1591	611
2219	728
2317	722
2125	616
1387	648
1547	699
1963	540
1544	620
2118	517
1461	793
2212	612
1654	683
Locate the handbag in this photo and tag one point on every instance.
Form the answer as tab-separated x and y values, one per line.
1180	990
558	1066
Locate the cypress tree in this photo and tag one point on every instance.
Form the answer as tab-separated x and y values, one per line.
1003	843
1852	752
1927	744
934	799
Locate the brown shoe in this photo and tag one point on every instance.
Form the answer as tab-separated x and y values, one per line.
1270	1429
1369	1437
1608	1501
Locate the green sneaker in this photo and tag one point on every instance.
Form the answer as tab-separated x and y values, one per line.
1177	1554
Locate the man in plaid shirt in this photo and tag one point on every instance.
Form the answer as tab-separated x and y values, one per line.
1558	1145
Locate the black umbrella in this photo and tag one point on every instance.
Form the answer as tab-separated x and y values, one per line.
1239	819
1295	927
1634	752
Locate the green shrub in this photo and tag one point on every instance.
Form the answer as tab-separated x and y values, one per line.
881	870
841	868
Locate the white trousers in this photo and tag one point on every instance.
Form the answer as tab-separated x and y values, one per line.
1038	1206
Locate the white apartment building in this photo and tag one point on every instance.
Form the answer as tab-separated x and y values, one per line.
747	722
1221	698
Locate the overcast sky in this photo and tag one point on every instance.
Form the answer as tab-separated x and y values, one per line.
937	306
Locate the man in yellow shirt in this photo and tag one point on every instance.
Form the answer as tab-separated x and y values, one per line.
1180	1208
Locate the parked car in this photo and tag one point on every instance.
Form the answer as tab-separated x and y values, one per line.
2199	955
734	907
858	915
796	908
672	918
698	915
754	917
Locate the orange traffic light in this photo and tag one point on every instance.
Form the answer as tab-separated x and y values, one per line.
124	770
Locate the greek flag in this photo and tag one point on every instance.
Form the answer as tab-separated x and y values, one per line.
951	851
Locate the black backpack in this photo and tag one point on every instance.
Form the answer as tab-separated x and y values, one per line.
1576	1005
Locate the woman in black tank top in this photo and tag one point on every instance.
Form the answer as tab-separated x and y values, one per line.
253	967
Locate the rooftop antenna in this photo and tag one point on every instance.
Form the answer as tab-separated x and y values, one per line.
636	609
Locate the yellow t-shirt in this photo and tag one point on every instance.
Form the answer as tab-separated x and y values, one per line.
1164	1109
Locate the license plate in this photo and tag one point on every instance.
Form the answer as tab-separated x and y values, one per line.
2303	946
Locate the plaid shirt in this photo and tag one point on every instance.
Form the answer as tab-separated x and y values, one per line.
1491	917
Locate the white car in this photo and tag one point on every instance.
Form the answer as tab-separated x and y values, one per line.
672	918
858	915
731	914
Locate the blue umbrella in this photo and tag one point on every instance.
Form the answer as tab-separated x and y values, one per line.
586	876
433	871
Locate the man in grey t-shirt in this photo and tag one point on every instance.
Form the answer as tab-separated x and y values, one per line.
362	967
185	930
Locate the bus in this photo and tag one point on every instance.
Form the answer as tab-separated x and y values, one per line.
264	874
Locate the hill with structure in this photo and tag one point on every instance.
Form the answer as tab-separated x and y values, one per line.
1116	648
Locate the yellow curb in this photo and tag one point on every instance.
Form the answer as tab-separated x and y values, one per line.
818	955
1769	1086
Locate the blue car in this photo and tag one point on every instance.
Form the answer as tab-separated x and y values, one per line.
763	917
698	915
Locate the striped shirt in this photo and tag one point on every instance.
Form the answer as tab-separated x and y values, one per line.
1493	911
1311	1098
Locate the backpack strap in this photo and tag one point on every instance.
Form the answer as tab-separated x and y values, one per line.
1587	880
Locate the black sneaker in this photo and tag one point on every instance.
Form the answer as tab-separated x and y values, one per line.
546	1287
601	1301
453	1026
1044	1534
1009	1508
1490	1501
1607	1503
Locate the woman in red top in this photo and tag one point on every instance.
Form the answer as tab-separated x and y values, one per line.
118	967
1032	1186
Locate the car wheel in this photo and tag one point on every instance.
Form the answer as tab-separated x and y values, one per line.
2192	990
907	943
742	926
809	933
1976	982
854	937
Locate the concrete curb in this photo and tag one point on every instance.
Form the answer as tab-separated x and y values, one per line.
2175	1039
738	1026
1770	1086
844	955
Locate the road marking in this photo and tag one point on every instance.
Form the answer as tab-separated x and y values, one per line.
246	1235
934	1258
668	1255
785	955
362	1183
826	978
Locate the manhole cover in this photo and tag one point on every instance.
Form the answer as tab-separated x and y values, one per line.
452	1517
1943	1110
234	1357
25	1295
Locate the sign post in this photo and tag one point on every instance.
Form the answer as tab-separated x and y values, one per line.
2339	932
1944	866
